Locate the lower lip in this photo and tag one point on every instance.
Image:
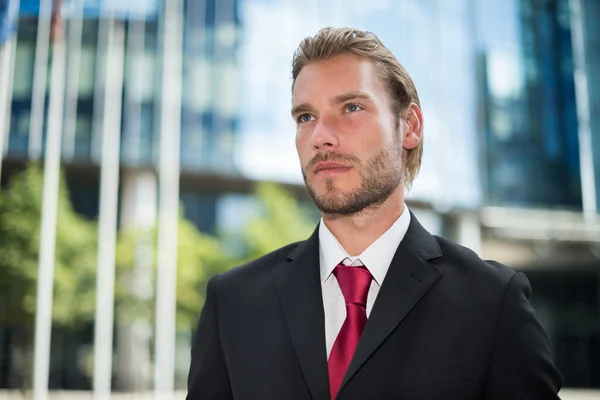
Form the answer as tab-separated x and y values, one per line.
331	171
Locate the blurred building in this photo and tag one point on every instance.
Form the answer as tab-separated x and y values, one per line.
541	148
510	93
209	122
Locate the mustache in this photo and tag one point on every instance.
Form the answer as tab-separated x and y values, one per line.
331	157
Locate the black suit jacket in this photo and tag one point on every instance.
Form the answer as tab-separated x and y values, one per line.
445	325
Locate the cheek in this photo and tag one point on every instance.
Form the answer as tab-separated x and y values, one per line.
301	135
302	147
370	137
300	142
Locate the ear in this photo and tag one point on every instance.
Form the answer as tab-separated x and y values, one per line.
413	127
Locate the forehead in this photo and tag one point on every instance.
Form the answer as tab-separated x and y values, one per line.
340	74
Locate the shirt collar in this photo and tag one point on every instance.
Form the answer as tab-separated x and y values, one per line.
331	252
377	257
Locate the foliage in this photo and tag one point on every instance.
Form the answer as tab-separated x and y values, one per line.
281	222
75	254
199	256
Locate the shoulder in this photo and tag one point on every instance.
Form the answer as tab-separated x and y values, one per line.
496	301
257	269
488	277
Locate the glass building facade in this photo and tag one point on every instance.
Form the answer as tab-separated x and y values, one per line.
209	119
531	141
590	14
509	86
535	155
209	112
531	133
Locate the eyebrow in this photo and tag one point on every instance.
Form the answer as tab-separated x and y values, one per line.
340	99
343	98
302	109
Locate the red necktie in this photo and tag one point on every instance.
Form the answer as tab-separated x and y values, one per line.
355	283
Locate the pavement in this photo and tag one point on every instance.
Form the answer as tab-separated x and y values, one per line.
565	394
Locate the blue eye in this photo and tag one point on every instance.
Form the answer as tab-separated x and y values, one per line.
352	107
305	118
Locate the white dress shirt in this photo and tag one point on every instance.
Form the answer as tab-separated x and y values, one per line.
376	258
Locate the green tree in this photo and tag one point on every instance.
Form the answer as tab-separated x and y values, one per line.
75	260
199	256
281	221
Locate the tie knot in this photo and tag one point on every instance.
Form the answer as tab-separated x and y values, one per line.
354	282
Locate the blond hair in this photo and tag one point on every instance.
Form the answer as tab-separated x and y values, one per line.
331	42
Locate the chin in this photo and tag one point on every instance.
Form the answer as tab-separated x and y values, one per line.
338	186
335	193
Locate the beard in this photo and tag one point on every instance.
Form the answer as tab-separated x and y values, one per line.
379	177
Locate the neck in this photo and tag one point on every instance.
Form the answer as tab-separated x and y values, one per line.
358	231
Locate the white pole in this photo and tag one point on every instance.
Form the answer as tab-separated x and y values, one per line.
45	281
8	86
73	67
38	95
6	117
7	59
100	82
136	37
221	89
107	227
6	68
168	213
586	158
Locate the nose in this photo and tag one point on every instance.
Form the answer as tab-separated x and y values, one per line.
324	135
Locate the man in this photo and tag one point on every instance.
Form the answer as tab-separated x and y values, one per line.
371	306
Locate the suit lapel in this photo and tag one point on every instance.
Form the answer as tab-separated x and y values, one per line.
409	277
299	286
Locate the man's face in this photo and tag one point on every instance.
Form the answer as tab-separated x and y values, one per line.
347	138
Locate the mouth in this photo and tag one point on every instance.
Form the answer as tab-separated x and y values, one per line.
329	168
